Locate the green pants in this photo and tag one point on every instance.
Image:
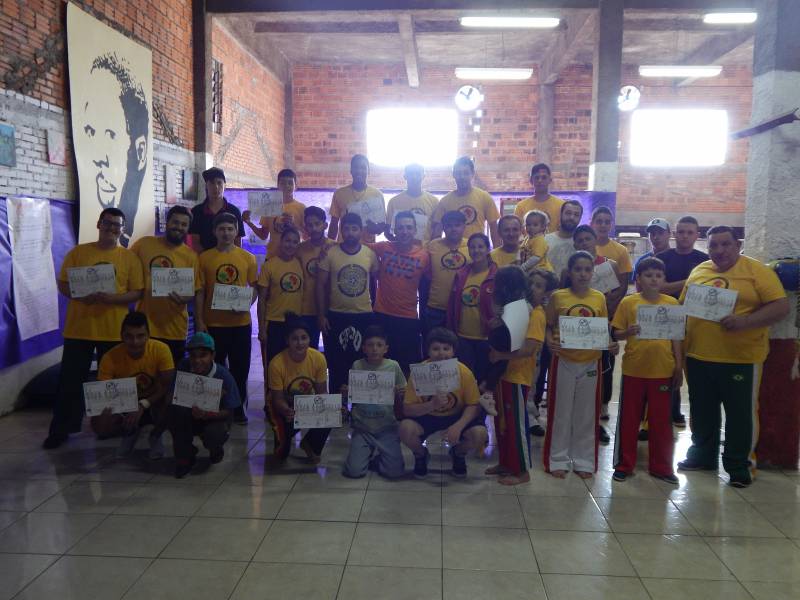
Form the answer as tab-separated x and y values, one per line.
734	386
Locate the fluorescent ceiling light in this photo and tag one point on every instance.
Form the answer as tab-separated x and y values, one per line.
730	18
511	22
492	73
679	70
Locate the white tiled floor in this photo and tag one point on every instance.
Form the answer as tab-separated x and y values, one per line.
76	523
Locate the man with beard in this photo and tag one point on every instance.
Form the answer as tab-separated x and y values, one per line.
168	316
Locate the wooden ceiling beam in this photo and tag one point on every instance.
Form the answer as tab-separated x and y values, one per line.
713	50
406	26
563	51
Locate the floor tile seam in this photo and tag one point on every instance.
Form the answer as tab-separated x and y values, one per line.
135	581
85	535
349	548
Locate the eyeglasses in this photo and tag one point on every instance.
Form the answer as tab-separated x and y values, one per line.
115	225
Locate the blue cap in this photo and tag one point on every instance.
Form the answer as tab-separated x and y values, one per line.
201	340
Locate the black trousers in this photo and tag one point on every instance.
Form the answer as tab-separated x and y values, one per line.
76	362
176	347
404	339
184	427
313	330
343	345
541	380
233	350
608	362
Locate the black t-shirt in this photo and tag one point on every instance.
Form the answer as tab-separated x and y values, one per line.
203	220
680	265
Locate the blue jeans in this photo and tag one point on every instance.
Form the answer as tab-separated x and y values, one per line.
385	445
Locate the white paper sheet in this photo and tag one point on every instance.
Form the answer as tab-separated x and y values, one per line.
84	281
516	316
318	411
709	303
231	297
197	390
371	208
583	333
171	279
371	387
267	203
661	322
120	395
604	279
35	292
433	377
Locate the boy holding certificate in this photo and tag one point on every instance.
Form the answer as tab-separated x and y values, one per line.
375	441
456	413
650	370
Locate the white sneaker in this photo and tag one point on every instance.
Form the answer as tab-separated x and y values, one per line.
127	444
156	447
487	402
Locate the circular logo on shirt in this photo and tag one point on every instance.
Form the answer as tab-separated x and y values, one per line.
312	266
291	282
352	280
144	384
469	213
451	403
300	386
470	295
161	261
717	282
227	274
580	310
453	260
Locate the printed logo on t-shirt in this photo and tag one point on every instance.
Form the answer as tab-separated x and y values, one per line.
162	262
738	377
350	337
452	401
291	282
580	310
312	266
352	280
144	384
400	265
469	213
470	295
227	274
717	282
453	260
300	386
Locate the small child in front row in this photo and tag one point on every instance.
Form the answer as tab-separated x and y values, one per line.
375	440
650	370
533	250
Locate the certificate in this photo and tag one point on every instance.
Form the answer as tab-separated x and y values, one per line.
372	208
604	279
197	390
661	322
84	281
583	333
120	395
318	412
371	387
171	279
709	303
231	297
516	316
265	203
431	378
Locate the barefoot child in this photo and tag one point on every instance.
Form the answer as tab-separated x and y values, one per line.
650	370
533	250
375	440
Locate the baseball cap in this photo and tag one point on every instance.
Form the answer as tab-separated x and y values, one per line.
201	340
213	173
660	223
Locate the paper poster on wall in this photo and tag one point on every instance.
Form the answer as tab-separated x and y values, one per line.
35	294
110	81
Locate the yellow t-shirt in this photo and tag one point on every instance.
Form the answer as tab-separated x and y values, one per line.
424	204
477	206
536	246
235	267
297	378
503	258
283	280
117	364
168	320
649	359
344	197
100	322
522	370
567	304
469	325
276	225
349	279
308	254
443	266
551	206
616	252
757	285
467	394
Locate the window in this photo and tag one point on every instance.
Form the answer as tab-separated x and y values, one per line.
678	137
216	96
400	136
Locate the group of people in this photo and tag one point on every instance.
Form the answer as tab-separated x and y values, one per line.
436	289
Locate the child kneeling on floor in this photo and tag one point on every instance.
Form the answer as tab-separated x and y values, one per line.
456	413
374	441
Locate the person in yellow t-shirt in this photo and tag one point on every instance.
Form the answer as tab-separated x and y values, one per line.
457	414
573	404
93	321
357	191
542	199
651	368
725	358
509	228
448	255
167	315
228	265
310	252
150	362
533	249
476	204
292	215
413	199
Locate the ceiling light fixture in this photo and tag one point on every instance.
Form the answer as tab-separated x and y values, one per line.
475	73
679	70
511	22
730	18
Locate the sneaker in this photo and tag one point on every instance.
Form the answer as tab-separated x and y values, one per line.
620	476
536	430
671	478
604	412
183	467
603	435
690	465
644	435
679	421
157	450
487	402
127	444
421	464
54	440
215	455
459	464
740	481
